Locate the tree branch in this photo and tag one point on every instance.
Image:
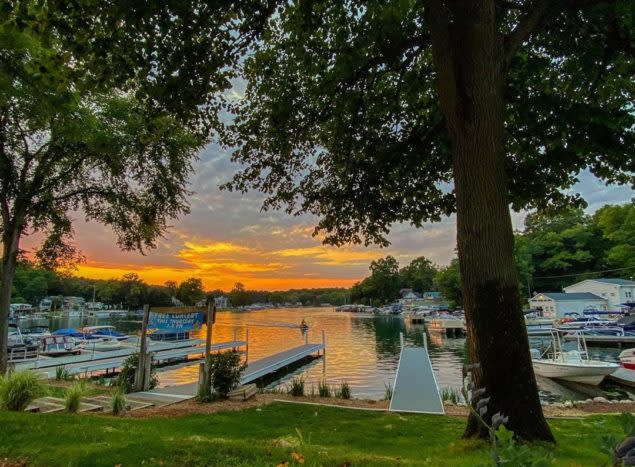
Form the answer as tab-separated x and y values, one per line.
528	24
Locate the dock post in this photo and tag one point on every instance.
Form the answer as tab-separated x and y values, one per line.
143	350
205	382
235	336
306	337
401	339
323	350
247	347
425	341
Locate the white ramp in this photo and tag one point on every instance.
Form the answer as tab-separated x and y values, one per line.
415	388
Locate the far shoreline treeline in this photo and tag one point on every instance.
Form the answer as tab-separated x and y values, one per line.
554	250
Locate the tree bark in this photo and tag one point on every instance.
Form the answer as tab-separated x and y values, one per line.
468	54
10	244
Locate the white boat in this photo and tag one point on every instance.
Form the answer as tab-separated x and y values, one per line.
574	365
102	345
55	346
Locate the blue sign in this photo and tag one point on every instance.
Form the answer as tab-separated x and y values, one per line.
176	321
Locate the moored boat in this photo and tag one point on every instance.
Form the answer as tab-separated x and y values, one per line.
99	332
57	345
574	365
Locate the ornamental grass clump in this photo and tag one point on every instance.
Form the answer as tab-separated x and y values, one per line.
74	395
344	391
118	403
323	389
297	387
19	389
62	373
126	377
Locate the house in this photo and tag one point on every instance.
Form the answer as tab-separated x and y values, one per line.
221	302
432	295
616	291
556	304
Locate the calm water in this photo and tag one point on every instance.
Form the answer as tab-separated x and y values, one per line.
361	350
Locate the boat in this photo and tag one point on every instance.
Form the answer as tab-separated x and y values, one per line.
604	335
36	332
20	347
104	332
55	346
574	365
447	324
169	335
627	359
103	345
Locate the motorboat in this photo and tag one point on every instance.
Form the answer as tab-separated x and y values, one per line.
574	365
627	359
20	347
36	332
100	332
103	345
55	346
169	335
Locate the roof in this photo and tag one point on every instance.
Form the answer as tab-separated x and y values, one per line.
570	296
614	281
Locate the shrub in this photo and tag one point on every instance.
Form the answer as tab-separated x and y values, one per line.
226	370
297	387
62	373
126	377
323	389
118	402
74	396
345	391
19	389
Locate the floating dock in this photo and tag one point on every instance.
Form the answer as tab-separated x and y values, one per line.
415	388
255	370
90	362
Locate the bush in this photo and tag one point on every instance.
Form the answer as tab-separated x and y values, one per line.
297	387
345	391
19	389
126	377
451	395
118	402
62	373
74	396
323	389
226	371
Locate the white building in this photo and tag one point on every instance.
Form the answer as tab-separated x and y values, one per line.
555	304
615	291
221	302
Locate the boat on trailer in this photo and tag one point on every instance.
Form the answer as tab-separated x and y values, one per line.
574	365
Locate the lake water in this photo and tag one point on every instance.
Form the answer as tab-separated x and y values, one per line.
362	350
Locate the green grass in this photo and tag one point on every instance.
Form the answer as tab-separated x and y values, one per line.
267	436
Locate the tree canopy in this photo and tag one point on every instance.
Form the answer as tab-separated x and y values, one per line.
341	116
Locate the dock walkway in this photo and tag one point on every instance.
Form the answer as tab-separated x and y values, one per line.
254	371
89	362
415	388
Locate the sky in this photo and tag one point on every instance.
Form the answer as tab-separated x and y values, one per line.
227	239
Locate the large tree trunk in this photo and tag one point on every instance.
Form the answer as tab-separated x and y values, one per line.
468	57
10	243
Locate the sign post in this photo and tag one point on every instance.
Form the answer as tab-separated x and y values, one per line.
140	377
206	380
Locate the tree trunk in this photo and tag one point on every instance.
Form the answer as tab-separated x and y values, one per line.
10	243
468	57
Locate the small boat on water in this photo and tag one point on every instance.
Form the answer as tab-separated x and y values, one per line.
626	373
603	335
574	365
100	332
20	347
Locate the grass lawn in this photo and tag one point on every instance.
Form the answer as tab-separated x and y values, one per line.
269	435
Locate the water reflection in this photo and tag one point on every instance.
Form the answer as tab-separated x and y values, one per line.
361	350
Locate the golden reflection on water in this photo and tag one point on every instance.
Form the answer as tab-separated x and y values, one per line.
361	350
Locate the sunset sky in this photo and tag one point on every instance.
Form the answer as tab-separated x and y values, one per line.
226	239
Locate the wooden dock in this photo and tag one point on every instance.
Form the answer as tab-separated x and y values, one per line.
90	362
255	370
